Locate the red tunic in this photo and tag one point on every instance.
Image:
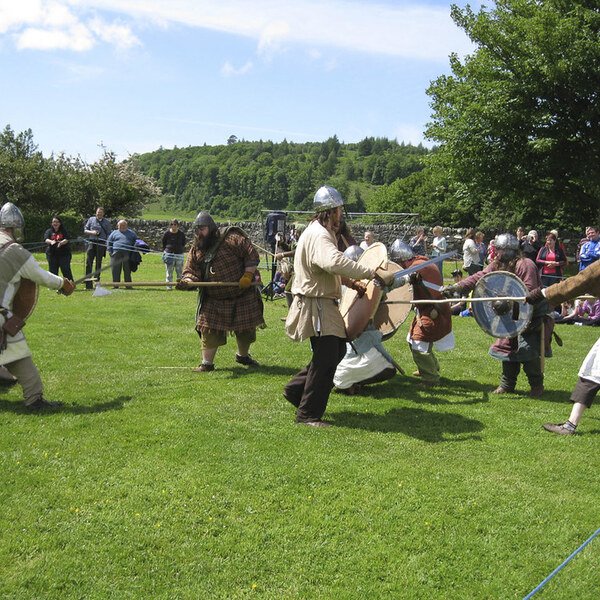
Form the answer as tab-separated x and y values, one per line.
432	322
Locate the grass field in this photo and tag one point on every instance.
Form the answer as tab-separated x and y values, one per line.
156	482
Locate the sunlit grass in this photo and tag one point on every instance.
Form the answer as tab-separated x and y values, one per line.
157	482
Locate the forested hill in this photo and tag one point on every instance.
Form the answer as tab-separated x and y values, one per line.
241	178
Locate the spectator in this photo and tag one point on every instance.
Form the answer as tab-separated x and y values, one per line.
559	242
481	248
418	242
369	239
97	228
120	244
531	246
582	241
173	243
584	313
58	249
550	260
471	253
590	251
438	247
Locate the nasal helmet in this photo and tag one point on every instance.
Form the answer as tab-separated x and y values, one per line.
401	251
327	198
353	252
509	243
203	219
12	218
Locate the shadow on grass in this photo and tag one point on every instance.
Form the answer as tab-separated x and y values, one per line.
453	392
428	426
74	409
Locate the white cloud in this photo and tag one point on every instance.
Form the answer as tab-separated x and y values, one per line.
407	29
115	34
51	24
228	70
76	38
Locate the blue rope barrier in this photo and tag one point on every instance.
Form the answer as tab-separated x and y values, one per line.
541	585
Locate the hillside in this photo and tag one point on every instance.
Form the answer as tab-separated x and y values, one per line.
239	179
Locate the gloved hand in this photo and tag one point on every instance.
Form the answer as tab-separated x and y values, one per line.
415	278
67	287
246	280
451	291
184	284
535	296
385	279
359	286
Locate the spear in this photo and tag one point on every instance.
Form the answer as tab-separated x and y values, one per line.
191	284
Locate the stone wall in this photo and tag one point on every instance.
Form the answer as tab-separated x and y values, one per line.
152	231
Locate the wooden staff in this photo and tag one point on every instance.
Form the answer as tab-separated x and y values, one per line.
191	284
468	299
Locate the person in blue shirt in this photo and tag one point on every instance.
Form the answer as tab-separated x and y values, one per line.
590	251
120	243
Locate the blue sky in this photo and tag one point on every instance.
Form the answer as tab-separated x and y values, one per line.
134	75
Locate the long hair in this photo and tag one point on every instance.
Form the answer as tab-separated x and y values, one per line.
323	216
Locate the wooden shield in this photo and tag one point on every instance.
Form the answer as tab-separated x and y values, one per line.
389	317
25	299
355	311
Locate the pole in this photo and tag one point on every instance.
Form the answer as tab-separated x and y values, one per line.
191	284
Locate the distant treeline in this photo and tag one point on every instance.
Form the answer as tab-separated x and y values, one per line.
239	179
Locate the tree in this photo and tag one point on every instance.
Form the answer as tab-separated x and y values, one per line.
519	119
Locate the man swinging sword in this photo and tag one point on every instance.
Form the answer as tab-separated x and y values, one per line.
19	268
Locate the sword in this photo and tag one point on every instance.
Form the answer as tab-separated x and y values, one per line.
90	276
414	268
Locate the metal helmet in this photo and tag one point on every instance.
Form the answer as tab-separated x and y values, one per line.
327	198
353	252
507	242
401	251
203	219
12	218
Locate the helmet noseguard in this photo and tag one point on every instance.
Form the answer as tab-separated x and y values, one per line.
401	251
353	252
327	198
12	218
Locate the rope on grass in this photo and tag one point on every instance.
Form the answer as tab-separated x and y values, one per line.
539	587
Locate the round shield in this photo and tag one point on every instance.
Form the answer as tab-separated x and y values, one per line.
357	312
501	318
25	299
389	317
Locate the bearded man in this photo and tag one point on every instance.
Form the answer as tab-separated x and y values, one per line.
319	268
223	255
524	349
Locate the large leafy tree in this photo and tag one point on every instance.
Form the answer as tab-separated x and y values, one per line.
519	118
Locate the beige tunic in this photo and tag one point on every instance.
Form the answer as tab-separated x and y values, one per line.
16	263
318	268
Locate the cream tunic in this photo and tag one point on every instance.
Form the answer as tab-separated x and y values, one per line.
16	263
318	268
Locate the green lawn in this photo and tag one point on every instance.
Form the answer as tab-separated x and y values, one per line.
156	482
